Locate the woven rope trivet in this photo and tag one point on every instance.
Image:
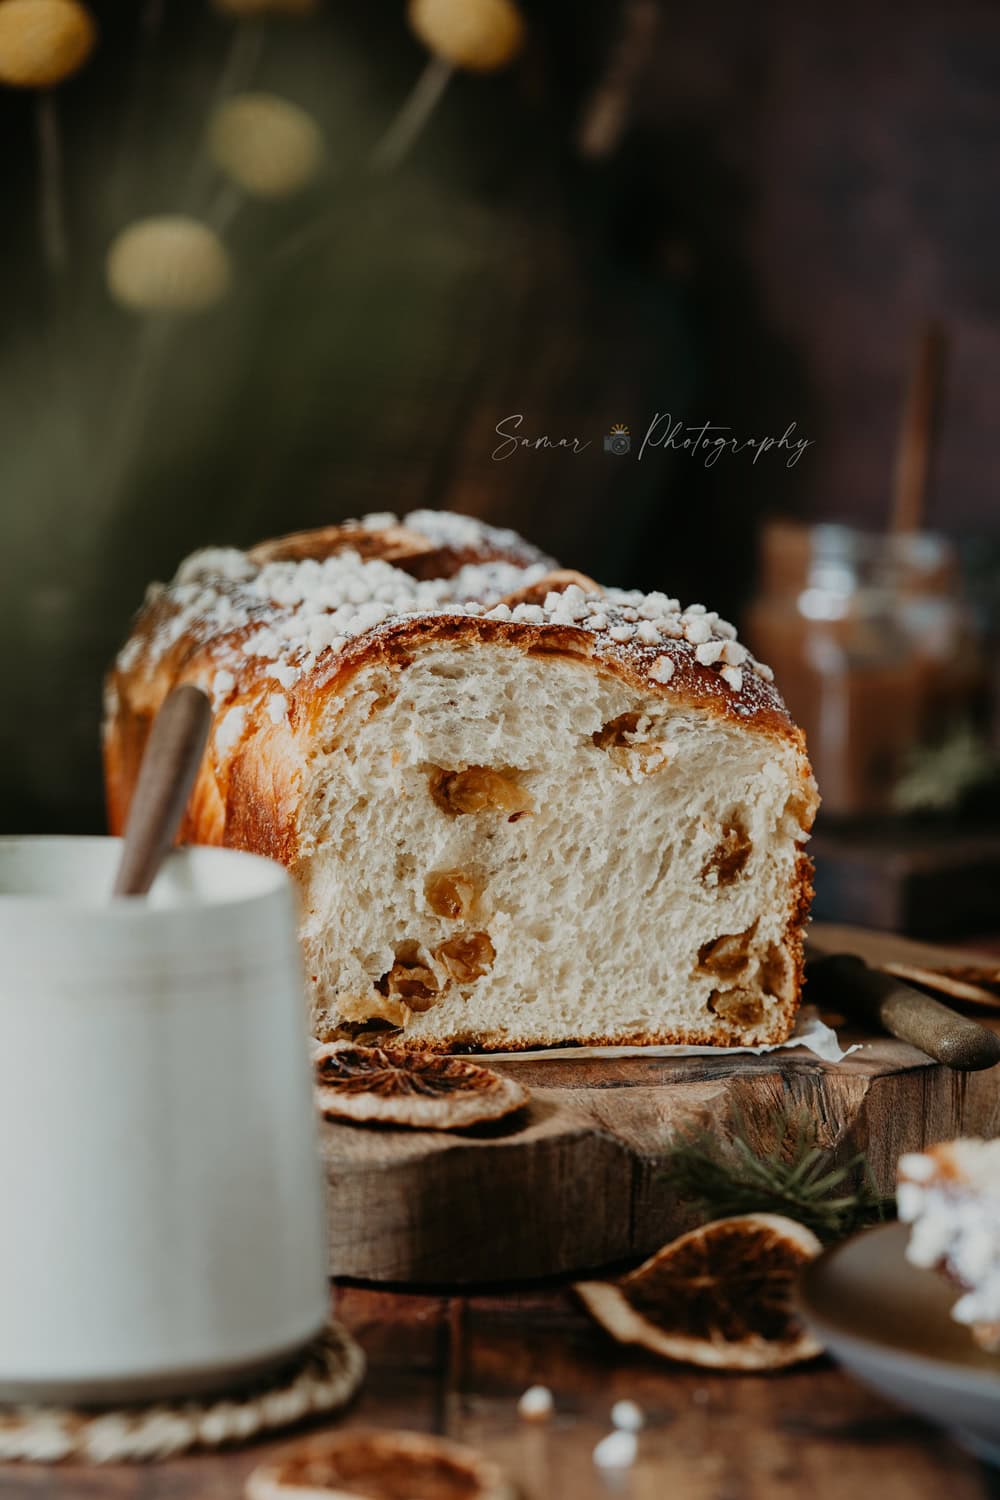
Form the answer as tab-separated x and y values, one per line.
325	1378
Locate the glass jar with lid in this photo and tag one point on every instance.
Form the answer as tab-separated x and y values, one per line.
874	649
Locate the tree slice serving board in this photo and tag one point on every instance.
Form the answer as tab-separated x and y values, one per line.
579	1179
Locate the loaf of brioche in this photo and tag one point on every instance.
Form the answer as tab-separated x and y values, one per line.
521	809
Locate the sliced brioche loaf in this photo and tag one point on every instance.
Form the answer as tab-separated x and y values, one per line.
577	817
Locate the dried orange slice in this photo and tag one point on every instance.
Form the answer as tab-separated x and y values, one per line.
425	1090
720	1296
379	1466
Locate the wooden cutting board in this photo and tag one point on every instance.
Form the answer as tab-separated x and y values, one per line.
580	1179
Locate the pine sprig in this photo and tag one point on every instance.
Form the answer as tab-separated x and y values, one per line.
723	1177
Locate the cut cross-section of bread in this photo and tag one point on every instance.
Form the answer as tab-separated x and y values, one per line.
579	819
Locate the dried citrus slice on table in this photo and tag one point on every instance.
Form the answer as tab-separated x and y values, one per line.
379	1466
720	1296
425	1090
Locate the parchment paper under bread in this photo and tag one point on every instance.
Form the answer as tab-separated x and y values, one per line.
810	1032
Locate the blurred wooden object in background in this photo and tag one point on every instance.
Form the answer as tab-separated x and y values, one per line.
917	431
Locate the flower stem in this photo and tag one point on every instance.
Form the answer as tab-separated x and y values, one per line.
236	74
51	209
133	134
225	206
417	109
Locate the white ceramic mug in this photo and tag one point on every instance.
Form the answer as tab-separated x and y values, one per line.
161	1205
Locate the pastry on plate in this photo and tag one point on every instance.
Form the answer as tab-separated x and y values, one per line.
950	1194
521	809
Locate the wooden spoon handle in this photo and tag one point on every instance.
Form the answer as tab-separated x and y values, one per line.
916	435
169	765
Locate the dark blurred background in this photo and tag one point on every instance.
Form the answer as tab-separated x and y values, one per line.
742	215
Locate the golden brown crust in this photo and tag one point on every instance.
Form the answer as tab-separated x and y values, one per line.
248	799
403	546
248	791
138	692
495	1042
557	579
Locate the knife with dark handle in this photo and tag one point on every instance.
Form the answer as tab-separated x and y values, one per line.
841	981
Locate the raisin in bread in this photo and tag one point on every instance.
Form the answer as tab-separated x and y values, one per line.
521	809
950	1193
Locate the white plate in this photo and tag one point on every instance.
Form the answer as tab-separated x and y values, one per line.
890	1325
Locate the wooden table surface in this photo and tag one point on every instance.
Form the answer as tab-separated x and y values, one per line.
457	1365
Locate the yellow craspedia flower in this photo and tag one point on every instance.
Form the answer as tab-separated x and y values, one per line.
43	41
477	34
271	147
267	7
169	263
